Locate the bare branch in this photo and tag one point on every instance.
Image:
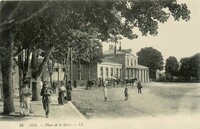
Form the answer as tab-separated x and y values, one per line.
18	53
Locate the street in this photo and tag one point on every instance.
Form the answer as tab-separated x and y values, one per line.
156	99
159	105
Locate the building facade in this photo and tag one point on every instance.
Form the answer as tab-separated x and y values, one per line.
130	67
116	63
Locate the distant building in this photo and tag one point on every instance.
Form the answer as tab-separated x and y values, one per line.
160	75
116	63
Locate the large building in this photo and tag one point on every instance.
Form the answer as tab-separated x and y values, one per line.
116	63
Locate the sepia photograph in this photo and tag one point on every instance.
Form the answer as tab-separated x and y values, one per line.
99	64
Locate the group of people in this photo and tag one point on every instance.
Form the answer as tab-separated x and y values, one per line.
46	92
139	87
25	98
62	91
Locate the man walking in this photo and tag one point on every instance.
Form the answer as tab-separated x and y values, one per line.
46	97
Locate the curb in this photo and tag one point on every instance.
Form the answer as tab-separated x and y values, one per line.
77	111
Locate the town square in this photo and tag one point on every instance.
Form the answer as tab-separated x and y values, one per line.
100	64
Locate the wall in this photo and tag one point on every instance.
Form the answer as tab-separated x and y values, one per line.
115	67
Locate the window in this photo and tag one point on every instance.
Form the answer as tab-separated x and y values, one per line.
107	72
101	71
55	69
131	72
117	72
126	73
127	61
111	73
131	62
120	72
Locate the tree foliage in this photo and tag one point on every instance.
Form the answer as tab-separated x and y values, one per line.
151	58
190	68
46	27
171	66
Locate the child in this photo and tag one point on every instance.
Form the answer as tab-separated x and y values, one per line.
126	93
139	86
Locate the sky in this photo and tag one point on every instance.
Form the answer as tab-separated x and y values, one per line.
175	38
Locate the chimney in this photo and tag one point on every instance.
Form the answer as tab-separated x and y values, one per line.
120	47
115	48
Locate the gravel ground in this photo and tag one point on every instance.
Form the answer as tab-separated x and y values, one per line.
157	99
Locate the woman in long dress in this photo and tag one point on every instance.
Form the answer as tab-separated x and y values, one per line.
105	90
25	97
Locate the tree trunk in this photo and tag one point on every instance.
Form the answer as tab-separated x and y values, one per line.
71	66
34	68
171	77
37	73
89	71
7	68
50	69
20	80
36	90
80	69
20	73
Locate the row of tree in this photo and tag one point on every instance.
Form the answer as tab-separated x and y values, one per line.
187	70
54	30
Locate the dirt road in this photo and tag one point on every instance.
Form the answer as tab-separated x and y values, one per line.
190	103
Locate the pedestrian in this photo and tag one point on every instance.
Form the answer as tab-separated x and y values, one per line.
139	86
69	89
61	94
96	83
25	96
126	93
55	85
100	82
46	97
105	90
75	83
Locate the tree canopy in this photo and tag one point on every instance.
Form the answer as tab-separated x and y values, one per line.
47	27
171	66
151	58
